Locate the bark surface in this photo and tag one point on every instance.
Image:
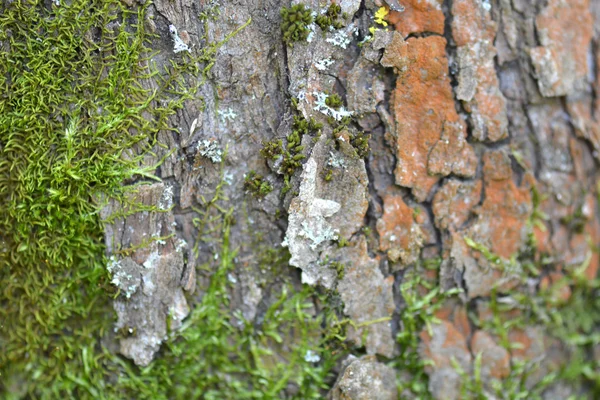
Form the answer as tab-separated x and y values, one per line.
465	150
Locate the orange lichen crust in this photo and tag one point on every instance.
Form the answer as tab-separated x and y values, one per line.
418	17
424	108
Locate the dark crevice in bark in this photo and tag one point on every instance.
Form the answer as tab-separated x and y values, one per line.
595	70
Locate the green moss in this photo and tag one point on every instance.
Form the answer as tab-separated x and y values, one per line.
75	124
342	242
328	174
575	222
360	142
334	101
290	154
218	354
330	18
271	150
421	301
574	321
70	108
295	22
257	185
304	126
339	268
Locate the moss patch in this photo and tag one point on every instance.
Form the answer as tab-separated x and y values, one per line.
295	22
256	185
75	124
330	19
289	158
421	300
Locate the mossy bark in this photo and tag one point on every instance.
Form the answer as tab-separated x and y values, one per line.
413	185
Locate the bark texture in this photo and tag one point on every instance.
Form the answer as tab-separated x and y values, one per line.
483	119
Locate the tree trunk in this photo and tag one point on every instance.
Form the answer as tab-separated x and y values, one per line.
425	171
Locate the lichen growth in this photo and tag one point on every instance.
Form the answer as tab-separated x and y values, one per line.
340	38
209	149
321	100
178	44
323	64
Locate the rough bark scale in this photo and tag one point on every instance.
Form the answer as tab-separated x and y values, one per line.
470	104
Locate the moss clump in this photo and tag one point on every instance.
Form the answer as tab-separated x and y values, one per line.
330	18
334	101
71	107
360	142
339	269
295	22
218	354
574	321
304	126
256	185
271	150
291	154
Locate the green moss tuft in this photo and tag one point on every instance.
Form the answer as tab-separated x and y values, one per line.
271	150
71	107
330	18
257	185
360	142
295	21
339	269
290	154
334	101
75	124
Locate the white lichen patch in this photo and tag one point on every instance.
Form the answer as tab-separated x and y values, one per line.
311	28
227	115
149	285
151	260
302	96
228	178
181	244
211	150
178	43
308	228
166	199
335	161
311	357
323	108
323	64
340	38
122	276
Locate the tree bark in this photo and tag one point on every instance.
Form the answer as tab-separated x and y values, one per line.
465	152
